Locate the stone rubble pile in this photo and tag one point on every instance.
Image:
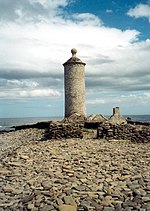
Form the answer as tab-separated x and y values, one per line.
63	130
75	117
117	118
135	133
74	175
73	127
14	139
96	118
93	121
77	172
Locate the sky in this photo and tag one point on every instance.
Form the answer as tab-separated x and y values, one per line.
111	36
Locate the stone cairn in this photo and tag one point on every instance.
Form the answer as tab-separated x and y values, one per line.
77	125
116	118
110	129
92	121
129	132
118	128
70	127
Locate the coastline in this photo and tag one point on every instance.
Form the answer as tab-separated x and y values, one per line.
7	124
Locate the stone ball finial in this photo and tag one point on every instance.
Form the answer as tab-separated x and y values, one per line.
73	51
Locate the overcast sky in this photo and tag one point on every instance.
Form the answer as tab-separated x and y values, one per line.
112	37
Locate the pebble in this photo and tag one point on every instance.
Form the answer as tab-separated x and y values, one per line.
67	208
69	174
69	200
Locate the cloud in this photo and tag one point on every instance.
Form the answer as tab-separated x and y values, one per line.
109	11
29	74
138	98
30	10
127	69
86	19
37	40
34	93
40	93
18	83
140	11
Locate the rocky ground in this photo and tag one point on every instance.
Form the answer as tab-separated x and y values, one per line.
73	174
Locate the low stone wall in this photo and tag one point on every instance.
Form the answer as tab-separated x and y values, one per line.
135	133
91	125
63	130
38	125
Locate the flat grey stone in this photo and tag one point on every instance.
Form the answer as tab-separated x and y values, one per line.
69	200
67	208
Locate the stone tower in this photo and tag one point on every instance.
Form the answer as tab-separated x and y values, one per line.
74	82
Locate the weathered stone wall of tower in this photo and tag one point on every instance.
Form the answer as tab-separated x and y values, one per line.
74	89
74	82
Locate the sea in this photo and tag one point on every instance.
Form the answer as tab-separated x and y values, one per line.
7	123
